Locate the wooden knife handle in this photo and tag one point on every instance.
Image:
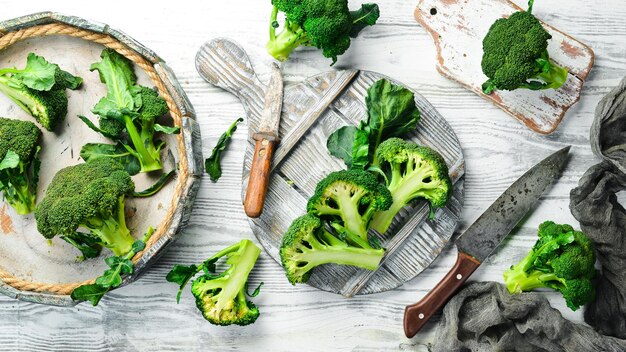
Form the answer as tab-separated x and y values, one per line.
416	315
259	174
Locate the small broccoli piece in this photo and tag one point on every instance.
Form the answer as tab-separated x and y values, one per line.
515	55
412	172
90	196
562	259
306	245
39	89
19	163
129	112
327	25
221	297
349	199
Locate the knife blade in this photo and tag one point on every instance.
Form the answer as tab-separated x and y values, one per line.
266	140
485	234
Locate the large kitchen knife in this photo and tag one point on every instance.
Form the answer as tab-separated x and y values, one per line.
266	141
485	234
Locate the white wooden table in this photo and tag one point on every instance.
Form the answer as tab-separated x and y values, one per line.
144	316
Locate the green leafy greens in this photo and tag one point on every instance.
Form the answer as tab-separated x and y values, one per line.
213	165
391	112
112	277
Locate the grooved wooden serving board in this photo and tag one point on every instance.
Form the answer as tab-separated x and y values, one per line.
312	110
458	28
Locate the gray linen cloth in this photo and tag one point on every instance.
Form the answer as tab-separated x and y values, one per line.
594	204
484	316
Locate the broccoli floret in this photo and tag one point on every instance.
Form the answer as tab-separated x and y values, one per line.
349	199
221	297
19	163
515	55
128	112
562	259
327	25
306	245
412	172
39	89
90	196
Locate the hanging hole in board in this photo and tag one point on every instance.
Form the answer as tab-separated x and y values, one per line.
433	11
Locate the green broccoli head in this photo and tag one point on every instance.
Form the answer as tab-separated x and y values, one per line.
349	198
19	163
21	137
327	25
152	105
562	259
91	196
413	172
222	298
515	55
39	89
306	245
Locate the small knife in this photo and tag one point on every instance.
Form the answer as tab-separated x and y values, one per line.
485	234
266	141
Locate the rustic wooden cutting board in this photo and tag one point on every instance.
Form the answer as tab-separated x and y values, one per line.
312	110
458	28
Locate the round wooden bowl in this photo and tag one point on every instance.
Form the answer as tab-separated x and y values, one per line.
34	269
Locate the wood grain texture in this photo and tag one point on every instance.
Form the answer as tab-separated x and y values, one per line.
497	149
458	28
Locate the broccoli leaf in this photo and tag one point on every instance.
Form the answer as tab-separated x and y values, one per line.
68	80
92	293
117	73
112	277
92	151
340	143
95	128
11	160
212	164
166	129
181	275
38	74
87	245
391	112
367	15
256	291
156	186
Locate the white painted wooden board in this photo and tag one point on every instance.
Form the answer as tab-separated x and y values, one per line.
458	28
497	149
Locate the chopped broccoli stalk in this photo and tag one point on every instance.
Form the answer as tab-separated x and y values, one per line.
91	196
128	112
19	163
413	172
327	25
349	199
306	245
515	55
562	259
221	297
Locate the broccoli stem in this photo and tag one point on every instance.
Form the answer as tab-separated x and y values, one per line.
112	230
292	36
22	193
145	150
23	201
346	255
518	281
233	284
349	207
404	188
14	92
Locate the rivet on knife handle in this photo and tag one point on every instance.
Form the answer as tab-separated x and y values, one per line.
259	174
416	315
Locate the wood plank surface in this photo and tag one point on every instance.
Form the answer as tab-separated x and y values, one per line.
497	149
